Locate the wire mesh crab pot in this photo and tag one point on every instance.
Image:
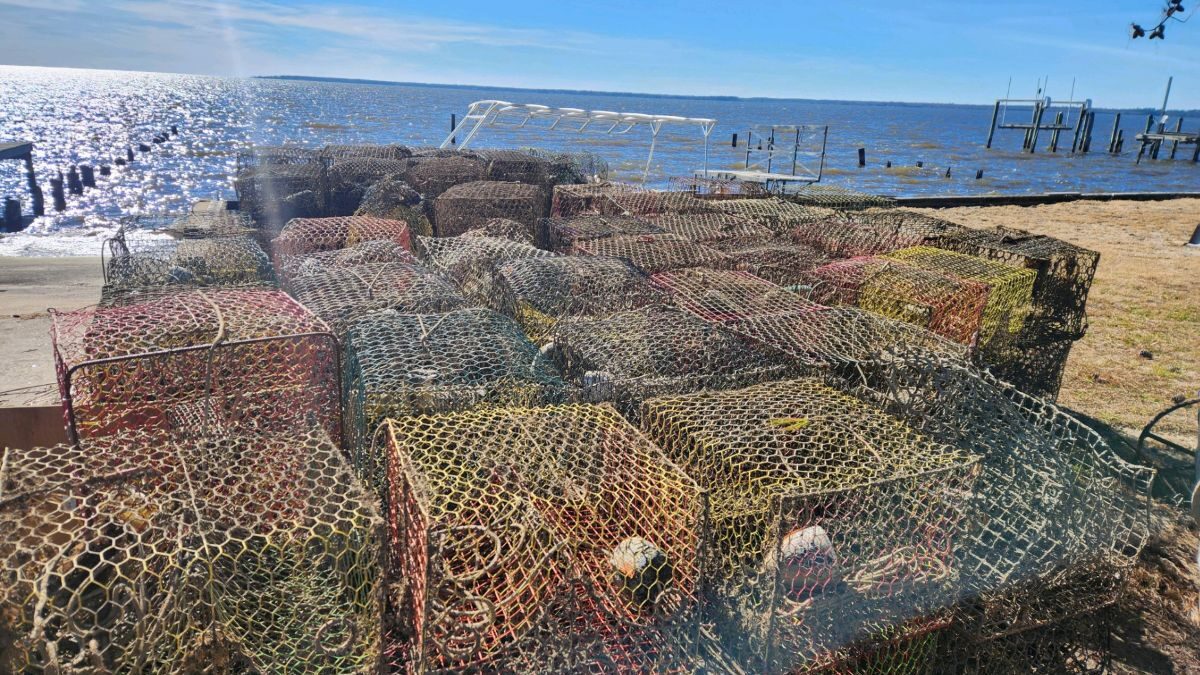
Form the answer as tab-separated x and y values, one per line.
653	253
785	264
137	263
502	228
724	296
275	193
365	151
836	197
516	166
341	295
627	357
832	523
237	554
1062	516
718	188
574	200
398	365
592	543
392	199
194	225
1009	293
303	236
562	234
537	292
641	202
778	215
1080	645
472	262
710	228
945	305
198	363
1064	274
366	253
349	180
469	205
1037	369
431	176
575	167
872	232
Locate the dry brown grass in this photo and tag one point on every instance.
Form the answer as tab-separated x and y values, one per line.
1146	297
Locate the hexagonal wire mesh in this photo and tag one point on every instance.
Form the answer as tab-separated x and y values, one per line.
1037	369
303	236
1009	295
1064	274
836	197
562	234
276	185
467	205
364	151
872	232
472	262
393	199
642	202
341	295
785	264
292	268
131	554
574	200
629	356
516	166
833	524
778	215
537	292
717	188
571	168
1060	514
349	180
137	261
592	542
502	228
712	227
398	365
654	253
197	363
723	295
431	176
945	305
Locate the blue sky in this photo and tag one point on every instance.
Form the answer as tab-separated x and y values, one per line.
907	50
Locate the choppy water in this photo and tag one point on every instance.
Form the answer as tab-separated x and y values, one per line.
91	117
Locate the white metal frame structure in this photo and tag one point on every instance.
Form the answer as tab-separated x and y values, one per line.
778	154
482	114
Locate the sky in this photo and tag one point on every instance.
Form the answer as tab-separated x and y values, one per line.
943	51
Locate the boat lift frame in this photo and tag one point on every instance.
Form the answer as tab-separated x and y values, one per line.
492	113
777	155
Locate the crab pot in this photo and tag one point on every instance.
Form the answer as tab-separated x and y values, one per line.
1081	644
502	228
380	251
133	554
341	295
722	296
585	198
718	188
196	225
872	232
833	525
1064	273
642	202
653	253
591	541
537	292
780	263
469	205
349	180
431	176
627	357
712	228
472	262
275	193
562	234
197	363
344	152
836	197
780	216
516	166
1037	369
1062	516
1009	292
137	263
304	236
944	305
571	168
398	365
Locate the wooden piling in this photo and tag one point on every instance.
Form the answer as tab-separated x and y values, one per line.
174	130
992	128
1116	130
74	184
142	147
1120	142
1039	110
128	154
57	194
1058	120
87	175
39	204
1175	143
453	126
862	157
979	174
105	170
12	214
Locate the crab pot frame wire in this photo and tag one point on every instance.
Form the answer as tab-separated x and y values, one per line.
834	525
780	216
132	554
305	236
561	234
293	268
509	524
653	253
711	227
197	363
472	262
467	205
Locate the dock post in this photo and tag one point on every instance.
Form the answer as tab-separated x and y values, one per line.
1112	140
105	170
56	193
453	126
12	214
992	128
128	154
39	206
74	184
88	175
1058	120
1175	143
1037	127
1120	142
1196	152
862	157
979	174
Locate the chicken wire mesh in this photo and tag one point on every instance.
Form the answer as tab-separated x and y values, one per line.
872	232
349	180
341	295
398	365
641	202
1036	369
303	236
516	166
836	197
717	188
562	234
235	554
468	205
554	539
365	151
393	199
1060	515
654	253
195	225
574	200
502	228
780	263
274	193
1079	645
945	305
722	295
1064	274
368	252
537	292
254	157
431	176
472	262
832	523
197	363
573	167
712	227
778	215
136	262
629	356
1009	292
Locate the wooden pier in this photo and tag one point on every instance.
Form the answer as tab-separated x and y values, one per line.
1080	127
1153	142
23	150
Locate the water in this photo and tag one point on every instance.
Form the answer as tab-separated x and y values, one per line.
91	117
